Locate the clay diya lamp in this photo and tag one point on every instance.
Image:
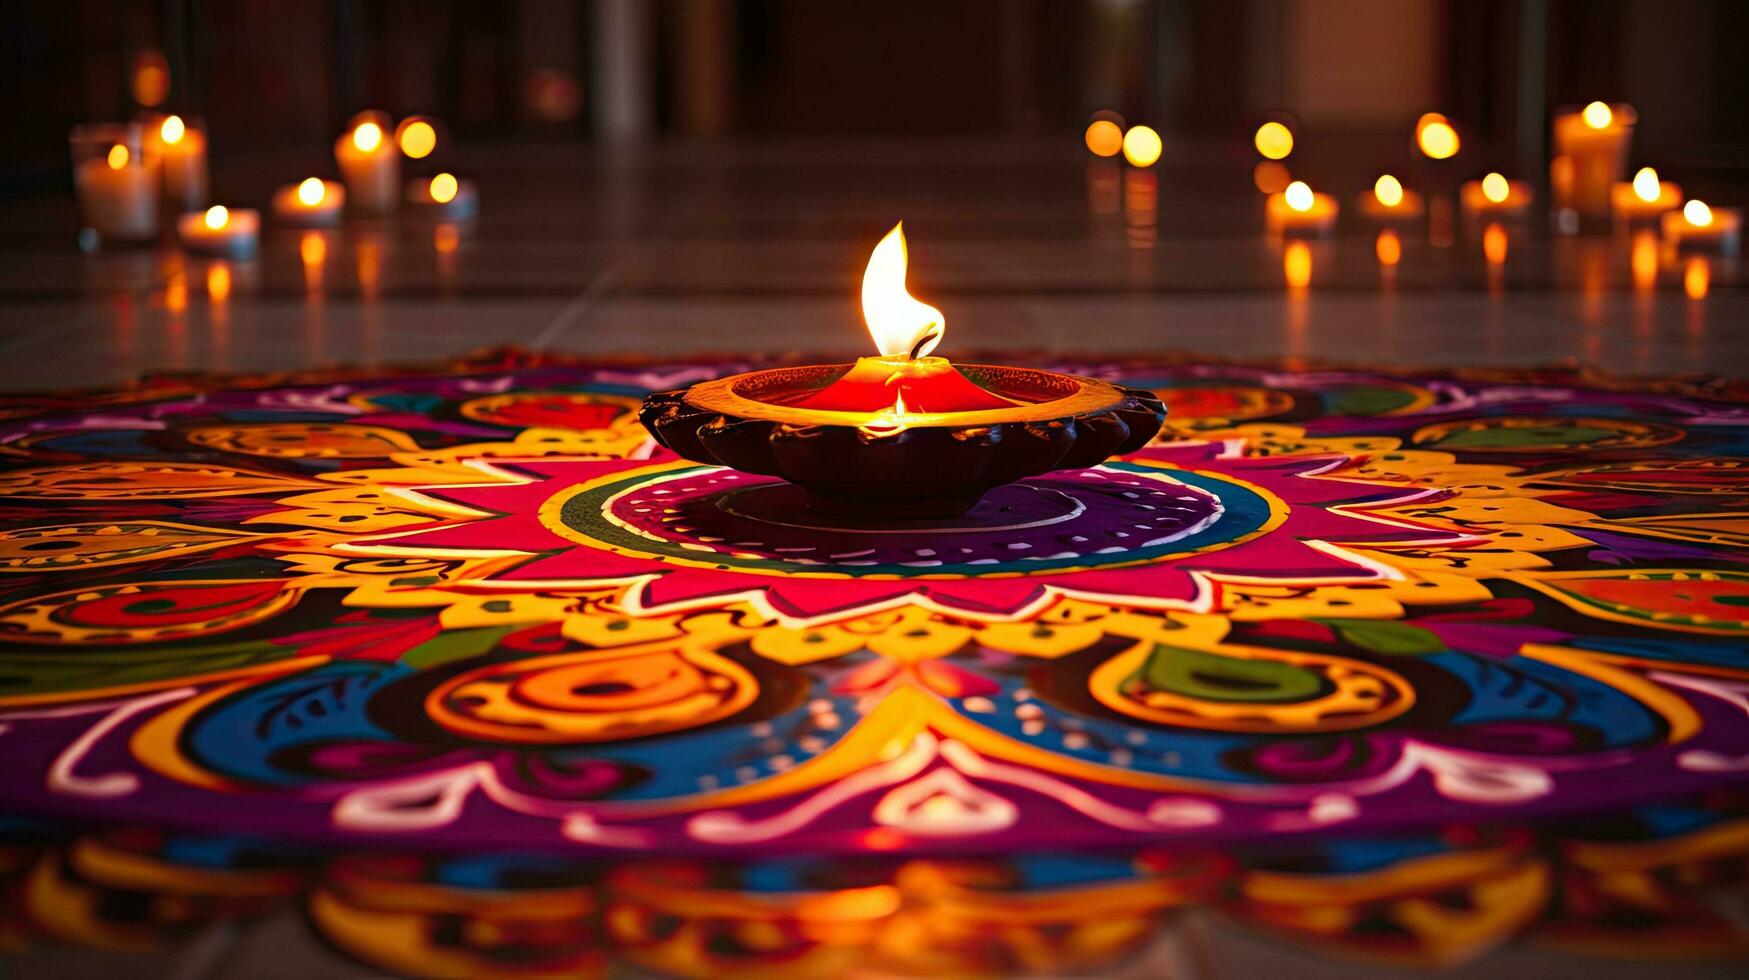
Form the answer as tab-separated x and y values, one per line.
902	435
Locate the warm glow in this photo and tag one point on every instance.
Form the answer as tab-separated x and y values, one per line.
1646	185
1389	248
1104	138
1296	265
1696	277
1597	115
900	325
1494	244
1644	260
172	130
443	188
1141	146
313	249
1389	191
1270	177
1697	213
367	137
216	216
1436	137
218	282
118	157
151	78
1274	140
1299	196
1495	188
418	139
312	191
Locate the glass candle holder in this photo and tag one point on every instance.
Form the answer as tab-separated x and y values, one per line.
116	180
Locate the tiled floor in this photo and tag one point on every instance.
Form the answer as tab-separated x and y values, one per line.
760	249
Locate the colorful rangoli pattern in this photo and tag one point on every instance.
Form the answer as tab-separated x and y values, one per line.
1412	634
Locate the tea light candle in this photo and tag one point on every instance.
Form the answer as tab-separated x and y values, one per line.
118	195
220	231
1299	211
1496	197
1698	226
1388	201
311	203
1594	141
181	149
443	196
1646	197
371	167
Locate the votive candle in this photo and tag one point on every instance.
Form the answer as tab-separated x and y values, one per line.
220	231
444	197
1496	197
181	148
116	184
1645	197
1298	210
310	203
1595	142
1699	227
370	164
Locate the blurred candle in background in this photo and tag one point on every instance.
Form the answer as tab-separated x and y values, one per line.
1435	137
1496	197
1388	201
370	166
1594	141
220	231
444	197
1300	211
1104	135
1274	141
116	183
310	203
1645	197
1703	228
180	145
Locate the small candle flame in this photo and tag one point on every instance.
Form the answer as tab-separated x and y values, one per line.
1597	115
1697	213
418	138
1646	185
1274	140
1389	191
172	130
1141	146
1299	196
118	157
216	216
443	188
900	325
367	137
1436	137
1495	188
312	191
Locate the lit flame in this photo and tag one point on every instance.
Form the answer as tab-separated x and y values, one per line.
418	138
900	325
1495	188
118	157
1299	196
1274	140
1436	137
216	216
173	130
1697	213
1389	191
312	191
443	188
1597	115
367	137
1104	138
1646	185
1141	146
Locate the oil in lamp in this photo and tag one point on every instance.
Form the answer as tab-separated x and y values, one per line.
901	434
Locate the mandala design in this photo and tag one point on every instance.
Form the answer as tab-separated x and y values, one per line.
476	606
